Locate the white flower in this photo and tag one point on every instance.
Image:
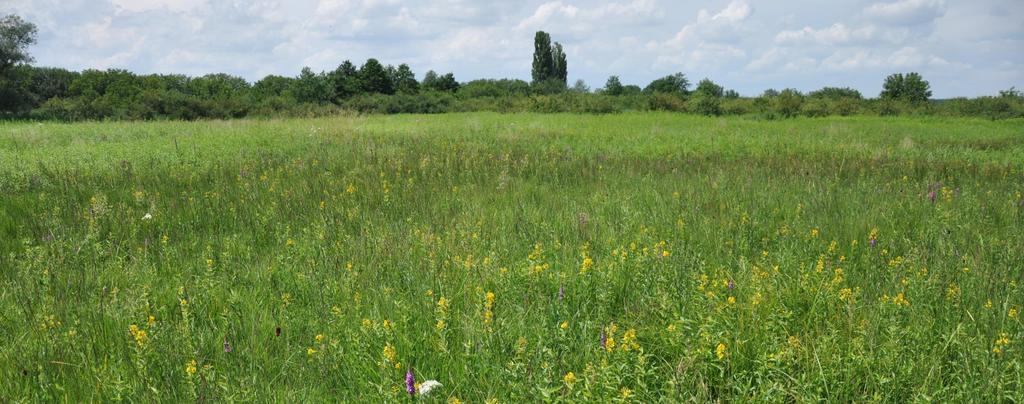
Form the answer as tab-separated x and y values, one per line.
429	385
147	217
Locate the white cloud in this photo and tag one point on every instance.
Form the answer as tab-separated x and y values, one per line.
907	11
838	33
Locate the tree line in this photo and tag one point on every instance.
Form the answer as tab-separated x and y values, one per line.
47	93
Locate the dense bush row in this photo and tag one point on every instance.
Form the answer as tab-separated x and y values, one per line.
58	94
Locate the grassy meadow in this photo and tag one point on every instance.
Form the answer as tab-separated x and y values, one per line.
637	257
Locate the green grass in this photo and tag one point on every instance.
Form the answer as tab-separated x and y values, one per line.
333	227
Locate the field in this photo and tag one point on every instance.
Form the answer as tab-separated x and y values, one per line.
513	258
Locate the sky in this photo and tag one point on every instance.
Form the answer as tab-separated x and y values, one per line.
964	48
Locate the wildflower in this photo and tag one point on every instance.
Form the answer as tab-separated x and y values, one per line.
569	379
1013	313
454	400
988	304
721	351
389	353
625	393
190	368
427	386
440	325
794	341
151	320
319	338
671	328
564	325
845	294
604	340
900	300
731	300
730	284
1001	342
310	351
410	382
147	216
629	340
138	334
227	346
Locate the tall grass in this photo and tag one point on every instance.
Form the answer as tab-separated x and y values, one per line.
637	257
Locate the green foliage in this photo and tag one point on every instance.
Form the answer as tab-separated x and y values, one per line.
549	62
835	93
446	83
911	88
664	101
494	88
405	80
345	81
708	88
313	88
671	84
703	103
613	86
788	103
374	78
16	35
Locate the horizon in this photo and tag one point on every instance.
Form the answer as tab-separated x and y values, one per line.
961	49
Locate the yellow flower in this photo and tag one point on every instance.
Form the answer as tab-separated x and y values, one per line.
319	338
665	253
671	328
731	300
1013	313
625	393
389	353
139	335
845	294
454	400
988	304
190	367
794	342
310	351
490	299
900	300
440	324
351	189
721	351
151	320
367	323
569	379
564	325
629	340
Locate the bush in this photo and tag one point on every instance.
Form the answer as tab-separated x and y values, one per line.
666	102
705	104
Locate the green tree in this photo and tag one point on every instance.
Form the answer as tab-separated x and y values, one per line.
560	66
835	93
405	80
312	88
709	88
580	87
543	63
16	35
908	88
435	82
374	78
345	81
613	86
671	84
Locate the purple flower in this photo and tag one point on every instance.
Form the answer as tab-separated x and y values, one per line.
931	196
561	292
604	340
227	346
410	382
873	241
731	284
